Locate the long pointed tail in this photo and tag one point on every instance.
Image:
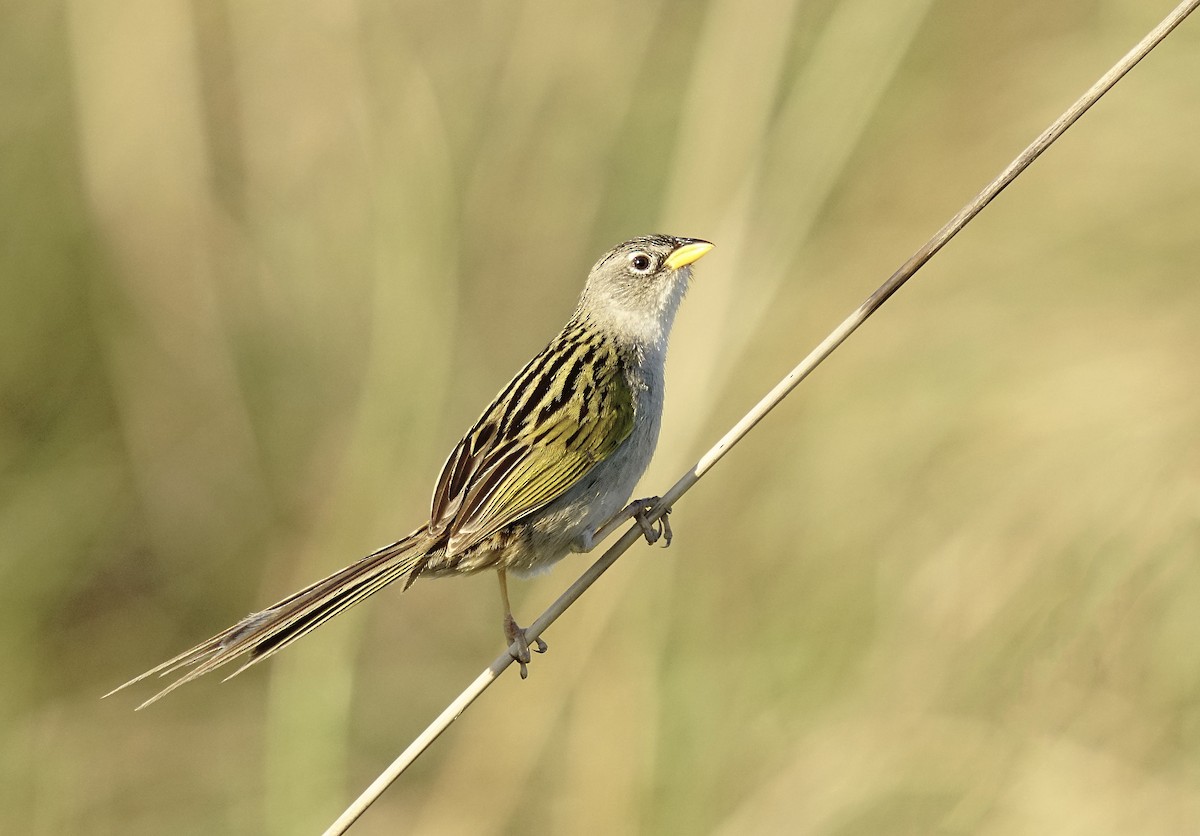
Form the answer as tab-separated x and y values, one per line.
263	633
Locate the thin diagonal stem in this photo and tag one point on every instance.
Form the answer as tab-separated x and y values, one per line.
769	402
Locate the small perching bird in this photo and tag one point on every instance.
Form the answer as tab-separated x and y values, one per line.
547	467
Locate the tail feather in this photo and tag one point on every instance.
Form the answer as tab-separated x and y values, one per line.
264	633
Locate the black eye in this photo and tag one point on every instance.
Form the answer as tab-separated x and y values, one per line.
640	262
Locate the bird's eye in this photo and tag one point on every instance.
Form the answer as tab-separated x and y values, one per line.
640	262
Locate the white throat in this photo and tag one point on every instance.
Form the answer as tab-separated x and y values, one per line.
646	324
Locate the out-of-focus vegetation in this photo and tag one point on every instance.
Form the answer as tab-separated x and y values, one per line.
262	263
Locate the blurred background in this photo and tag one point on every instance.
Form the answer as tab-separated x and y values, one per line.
263	263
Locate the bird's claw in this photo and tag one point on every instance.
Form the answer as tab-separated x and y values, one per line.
518	644
656	530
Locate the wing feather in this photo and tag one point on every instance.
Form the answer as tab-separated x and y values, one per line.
567	411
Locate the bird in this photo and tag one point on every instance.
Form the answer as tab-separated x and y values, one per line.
547	470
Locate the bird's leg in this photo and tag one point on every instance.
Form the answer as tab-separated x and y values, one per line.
637	511
514	632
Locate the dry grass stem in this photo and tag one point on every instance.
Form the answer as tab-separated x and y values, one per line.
772	399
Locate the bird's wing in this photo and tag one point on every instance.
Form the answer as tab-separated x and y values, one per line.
565	412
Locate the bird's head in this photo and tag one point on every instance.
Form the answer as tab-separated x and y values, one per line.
636	287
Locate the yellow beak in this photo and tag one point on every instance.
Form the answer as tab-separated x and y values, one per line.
687	253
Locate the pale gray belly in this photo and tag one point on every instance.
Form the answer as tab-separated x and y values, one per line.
600	494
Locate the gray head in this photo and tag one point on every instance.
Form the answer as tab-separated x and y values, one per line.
636	287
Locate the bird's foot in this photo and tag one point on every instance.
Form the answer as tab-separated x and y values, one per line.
652	531
518	644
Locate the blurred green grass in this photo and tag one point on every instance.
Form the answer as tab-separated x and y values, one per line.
262	264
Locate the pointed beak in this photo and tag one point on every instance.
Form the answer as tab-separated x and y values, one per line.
689	251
